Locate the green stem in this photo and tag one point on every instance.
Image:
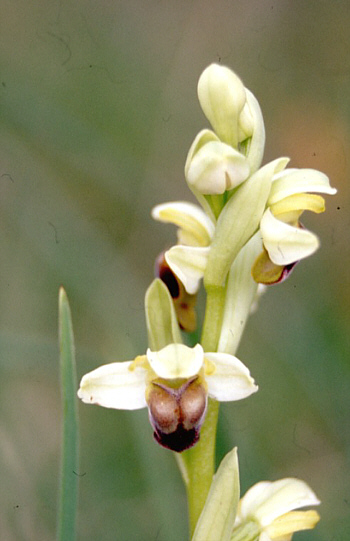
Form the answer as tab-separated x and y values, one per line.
200	459
200	463
213	317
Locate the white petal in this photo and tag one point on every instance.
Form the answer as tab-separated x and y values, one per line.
188	263
176	361
115	386
292	181
286	244
267	501
231	379
187	216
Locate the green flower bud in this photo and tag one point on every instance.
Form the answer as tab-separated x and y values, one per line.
222	97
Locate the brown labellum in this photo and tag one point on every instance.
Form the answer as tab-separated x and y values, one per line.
177	414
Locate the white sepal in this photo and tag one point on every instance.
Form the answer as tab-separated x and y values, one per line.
115	385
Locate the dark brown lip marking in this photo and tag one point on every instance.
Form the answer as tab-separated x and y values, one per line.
177	414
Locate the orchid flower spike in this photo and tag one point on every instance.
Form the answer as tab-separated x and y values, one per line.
174	383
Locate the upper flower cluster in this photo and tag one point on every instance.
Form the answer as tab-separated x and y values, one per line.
239	197
221	160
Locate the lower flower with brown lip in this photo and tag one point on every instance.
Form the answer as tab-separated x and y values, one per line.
174	383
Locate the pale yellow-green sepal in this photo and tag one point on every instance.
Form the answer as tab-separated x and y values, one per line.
297	203
202	138
162	325
294	521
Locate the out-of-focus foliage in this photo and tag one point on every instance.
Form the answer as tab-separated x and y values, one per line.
98	109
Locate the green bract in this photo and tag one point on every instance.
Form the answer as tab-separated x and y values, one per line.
219	512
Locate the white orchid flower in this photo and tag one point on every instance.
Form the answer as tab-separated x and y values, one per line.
284	239
269	507
174	383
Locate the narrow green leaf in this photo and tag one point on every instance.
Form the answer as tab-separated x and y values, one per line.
68	495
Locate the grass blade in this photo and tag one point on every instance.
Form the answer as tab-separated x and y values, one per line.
68	495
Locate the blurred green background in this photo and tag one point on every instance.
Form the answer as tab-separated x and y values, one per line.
98	110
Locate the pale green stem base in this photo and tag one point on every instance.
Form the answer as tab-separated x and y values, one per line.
213	317
200	460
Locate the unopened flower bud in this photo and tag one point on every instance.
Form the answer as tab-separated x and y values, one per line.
222	97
